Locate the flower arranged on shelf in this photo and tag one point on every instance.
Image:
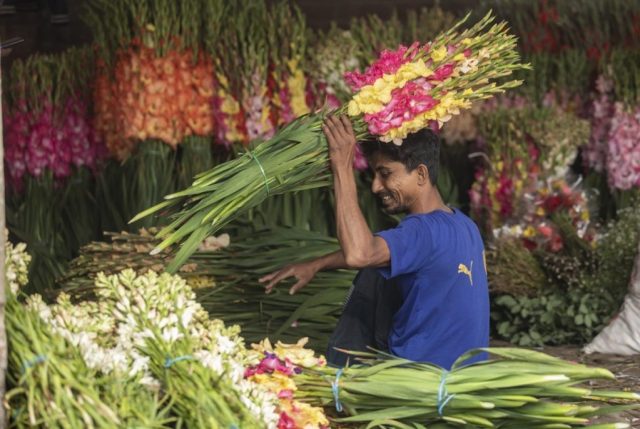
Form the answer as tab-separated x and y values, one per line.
536	227
623	155
275	369
228	114
47	124
331	65
523	146
497	193
602	109
164	97
258	110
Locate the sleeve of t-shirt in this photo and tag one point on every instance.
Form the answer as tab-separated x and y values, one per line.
409	246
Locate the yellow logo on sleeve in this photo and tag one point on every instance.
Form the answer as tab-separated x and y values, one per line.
462	269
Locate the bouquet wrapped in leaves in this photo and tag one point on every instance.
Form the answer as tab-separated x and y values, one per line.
400	93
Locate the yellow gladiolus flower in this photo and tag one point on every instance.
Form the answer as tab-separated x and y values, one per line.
439	54
529	232
296	83
353	109
304	415
275	382
229	105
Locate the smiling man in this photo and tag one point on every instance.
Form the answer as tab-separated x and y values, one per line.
422	290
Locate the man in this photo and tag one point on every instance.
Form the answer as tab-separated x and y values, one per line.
435	256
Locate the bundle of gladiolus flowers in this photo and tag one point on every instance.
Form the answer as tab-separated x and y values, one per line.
46	120
623	155
402	92
226	72
276	369
425	85
153	97
524	149
537	228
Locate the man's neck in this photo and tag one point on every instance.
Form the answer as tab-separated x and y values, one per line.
430	203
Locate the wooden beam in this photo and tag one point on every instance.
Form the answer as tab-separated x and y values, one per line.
3	238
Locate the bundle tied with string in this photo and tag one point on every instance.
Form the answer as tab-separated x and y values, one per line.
406	90
517	388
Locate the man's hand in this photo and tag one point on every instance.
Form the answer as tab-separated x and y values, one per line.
303	272
341	139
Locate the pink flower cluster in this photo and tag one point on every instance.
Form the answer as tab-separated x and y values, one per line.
270	364
406	103
388	63
595	152
360	161
623	157
53	140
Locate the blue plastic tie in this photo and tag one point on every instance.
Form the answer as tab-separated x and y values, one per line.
33	362
443	397
335	388
168	362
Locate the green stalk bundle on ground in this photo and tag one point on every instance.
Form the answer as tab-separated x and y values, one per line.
519	389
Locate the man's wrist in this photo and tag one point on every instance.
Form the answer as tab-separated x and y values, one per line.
342	170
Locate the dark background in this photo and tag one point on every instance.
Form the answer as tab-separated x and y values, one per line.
32	19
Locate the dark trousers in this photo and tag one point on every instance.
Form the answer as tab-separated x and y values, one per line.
366	317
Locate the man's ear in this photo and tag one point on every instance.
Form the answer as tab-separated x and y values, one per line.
423	174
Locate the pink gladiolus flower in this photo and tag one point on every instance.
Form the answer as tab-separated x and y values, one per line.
388	63
442	72
285	101
545	230
602	110
623	156
360	161
285	394
406	103
286	422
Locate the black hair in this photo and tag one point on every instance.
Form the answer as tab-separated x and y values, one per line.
422	147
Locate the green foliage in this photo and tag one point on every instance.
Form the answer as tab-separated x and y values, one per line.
584	288
555	316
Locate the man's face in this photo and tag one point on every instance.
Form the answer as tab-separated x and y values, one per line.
397	188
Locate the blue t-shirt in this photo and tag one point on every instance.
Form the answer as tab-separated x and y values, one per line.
437	258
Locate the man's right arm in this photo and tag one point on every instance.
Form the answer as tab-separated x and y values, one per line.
304	271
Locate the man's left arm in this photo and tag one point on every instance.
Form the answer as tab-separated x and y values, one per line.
361	248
